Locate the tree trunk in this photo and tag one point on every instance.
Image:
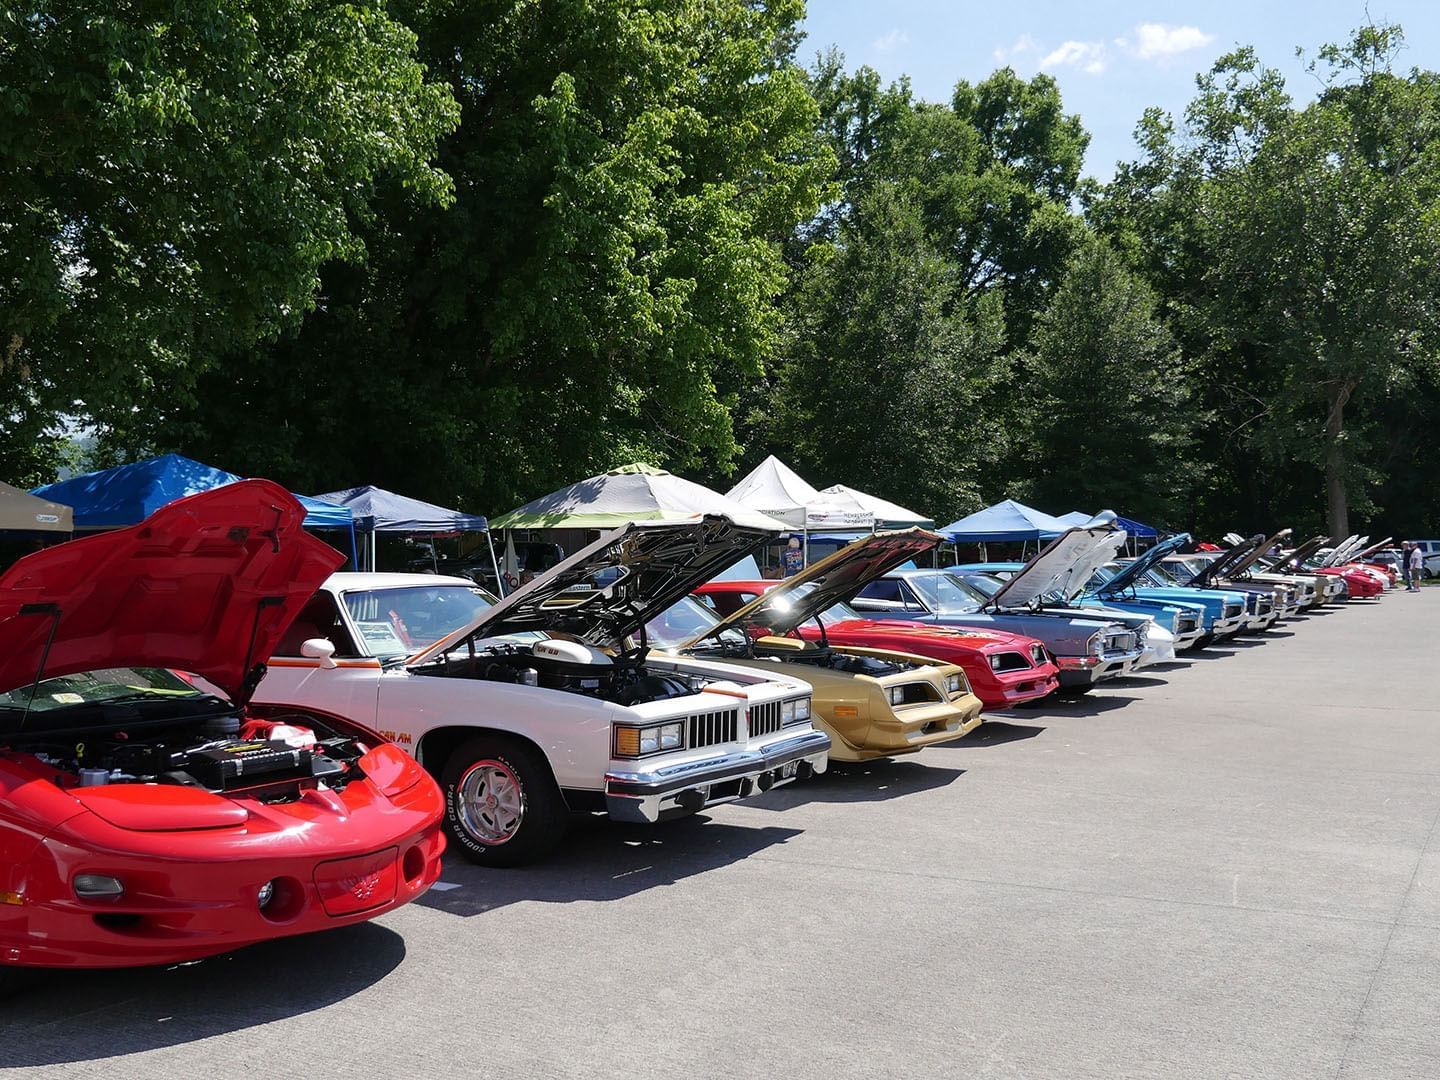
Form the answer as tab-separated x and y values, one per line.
1337	502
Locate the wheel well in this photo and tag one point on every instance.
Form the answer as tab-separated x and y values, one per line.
436	746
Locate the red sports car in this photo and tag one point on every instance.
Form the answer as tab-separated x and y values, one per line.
1004	669
144	820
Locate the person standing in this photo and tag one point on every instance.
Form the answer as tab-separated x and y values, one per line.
1417	566
1405	563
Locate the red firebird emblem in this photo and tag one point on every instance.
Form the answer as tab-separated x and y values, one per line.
365	887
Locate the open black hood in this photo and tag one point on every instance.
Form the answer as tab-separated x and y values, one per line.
1265	545
1221	567
1296	558
821	585
610	589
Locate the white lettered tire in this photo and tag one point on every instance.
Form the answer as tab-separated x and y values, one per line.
502	805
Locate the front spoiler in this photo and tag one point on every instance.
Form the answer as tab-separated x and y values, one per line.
645	795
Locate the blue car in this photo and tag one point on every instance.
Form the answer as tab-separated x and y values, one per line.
1183	618
1226	612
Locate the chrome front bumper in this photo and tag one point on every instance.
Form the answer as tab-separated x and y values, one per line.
647	795
1084	670
1235	623
1189	638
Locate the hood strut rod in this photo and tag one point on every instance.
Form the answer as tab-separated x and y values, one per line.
53	611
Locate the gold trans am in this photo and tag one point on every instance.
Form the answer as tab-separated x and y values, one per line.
873	703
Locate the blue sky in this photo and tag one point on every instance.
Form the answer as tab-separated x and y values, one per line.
1110	59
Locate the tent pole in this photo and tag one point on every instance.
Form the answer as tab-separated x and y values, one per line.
494	562
354	550
434	559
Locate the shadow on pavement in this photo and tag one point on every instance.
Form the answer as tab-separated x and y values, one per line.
992	733
1136	682
861	782
1091	704
57	1017
602	860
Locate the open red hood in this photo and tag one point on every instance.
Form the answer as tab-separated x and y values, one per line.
206	584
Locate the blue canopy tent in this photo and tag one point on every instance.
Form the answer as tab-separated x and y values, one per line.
1007	521
376	510
128	494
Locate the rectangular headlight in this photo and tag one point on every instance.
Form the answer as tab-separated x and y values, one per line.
896	694
802	709
995	662
633	741
787	712
952	684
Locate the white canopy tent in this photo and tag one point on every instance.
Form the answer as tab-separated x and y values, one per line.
884	513
629	493
778	491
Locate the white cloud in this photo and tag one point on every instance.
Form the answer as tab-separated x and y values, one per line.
1023	44
891	41
1154	41
1088	56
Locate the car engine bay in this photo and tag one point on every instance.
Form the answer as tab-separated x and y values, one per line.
810	654
571	666
273	759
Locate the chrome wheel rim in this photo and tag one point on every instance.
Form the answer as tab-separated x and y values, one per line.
492	802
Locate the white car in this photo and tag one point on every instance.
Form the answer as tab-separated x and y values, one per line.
542	704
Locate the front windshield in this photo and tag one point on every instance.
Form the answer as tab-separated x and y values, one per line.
402	621
100	687
682	621
946	594
1188	566
981	583
1160	574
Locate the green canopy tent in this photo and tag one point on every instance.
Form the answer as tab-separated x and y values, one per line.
620	496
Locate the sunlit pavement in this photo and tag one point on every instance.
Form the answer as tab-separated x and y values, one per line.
1223	869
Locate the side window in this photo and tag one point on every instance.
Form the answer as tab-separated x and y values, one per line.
883	589
907	595
320	618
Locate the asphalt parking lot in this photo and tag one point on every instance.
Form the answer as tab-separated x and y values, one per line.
1224	869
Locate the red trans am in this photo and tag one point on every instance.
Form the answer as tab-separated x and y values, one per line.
1004	669
145	820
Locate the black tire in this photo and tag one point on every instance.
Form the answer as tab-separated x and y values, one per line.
508	762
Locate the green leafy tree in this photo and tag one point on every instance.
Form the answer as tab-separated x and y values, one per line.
626	174
886	377
172	177
992	173
1298	250
1110	414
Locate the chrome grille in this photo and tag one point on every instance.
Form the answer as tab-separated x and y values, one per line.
764	719
710	729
